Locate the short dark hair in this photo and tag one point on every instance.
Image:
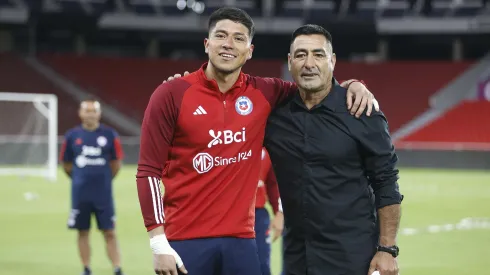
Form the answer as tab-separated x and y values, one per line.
234	14
310	29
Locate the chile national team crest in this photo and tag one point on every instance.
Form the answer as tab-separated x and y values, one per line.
243	106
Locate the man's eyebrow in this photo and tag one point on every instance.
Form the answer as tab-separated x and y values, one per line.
300	50
223	31
319	50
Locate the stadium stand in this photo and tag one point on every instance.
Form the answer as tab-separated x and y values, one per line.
127	83
367	9
13	68
464	126
403	88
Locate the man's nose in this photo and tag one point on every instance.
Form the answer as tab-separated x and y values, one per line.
309	62
228	43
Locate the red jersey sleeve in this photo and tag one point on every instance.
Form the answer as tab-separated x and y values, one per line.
66	152
272	190
270	182
275	90
157	132
117	152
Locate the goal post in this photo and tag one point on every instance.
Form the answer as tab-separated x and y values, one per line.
29	135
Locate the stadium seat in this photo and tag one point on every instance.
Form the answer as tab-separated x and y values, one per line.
469	8
292	8
5	3
142	7
18	77
402	88
129	82
465	123
366	9
71	6
395	8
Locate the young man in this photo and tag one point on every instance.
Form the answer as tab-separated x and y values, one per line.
267	190
337	174
91	156
209	160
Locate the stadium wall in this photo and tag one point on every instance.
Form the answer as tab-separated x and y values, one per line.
445	159
407	158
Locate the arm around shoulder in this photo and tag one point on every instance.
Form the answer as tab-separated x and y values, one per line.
275	90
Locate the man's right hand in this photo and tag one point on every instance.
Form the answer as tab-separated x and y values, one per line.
165	258
167	264
175	76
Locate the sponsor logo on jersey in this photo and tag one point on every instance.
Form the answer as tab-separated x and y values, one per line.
226	137
243	105
101	141
82	160
204	162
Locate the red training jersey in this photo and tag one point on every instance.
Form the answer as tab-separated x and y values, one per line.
206	148
267	188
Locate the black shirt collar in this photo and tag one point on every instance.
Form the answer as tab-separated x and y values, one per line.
331	101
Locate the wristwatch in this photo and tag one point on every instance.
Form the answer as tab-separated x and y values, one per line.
393	250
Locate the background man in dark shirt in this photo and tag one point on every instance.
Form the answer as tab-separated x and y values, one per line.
337	174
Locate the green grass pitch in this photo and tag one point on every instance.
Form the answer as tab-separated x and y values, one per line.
34	238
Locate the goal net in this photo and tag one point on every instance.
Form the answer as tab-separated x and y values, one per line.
28	135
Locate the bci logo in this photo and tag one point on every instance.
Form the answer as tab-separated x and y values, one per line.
226	137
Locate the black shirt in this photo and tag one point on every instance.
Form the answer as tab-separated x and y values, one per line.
334	170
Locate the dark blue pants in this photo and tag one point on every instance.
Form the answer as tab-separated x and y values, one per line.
219	256
81	215
262	222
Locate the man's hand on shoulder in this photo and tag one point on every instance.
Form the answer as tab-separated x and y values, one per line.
359	97
175	76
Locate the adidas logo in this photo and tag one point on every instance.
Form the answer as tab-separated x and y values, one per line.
200	111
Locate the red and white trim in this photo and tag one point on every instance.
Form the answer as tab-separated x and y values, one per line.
157	202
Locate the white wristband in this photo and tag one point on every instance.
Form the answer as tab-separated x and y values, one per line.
160	246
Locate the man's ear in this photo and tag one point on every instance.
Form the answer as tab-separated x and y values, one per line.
334	60
289	62
206	42
250	51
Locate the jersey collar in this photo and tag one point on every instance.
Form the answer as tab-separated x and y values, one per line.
213	85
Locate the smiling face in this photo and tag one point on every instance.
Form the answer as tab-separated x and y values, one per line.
228	46
311	62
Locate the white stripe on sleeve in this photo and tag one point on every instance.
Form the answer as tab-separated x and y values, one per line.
160	202
156	200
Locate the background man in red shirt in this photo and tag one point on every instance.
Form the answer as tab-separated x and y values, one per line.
267	190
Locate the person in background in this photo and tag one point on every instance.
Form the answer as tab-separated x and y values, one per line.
91	155
267	191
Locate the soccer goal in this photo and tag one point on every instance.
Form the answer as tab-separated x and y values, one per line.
28	135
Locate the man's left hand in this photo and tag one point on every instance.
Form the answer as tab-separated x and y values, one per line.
359	97
385	263
277	226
